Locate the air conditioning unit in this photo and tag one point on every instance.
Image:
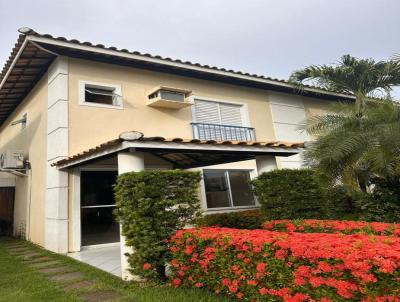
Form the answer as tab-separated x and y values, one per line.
12	160
168	97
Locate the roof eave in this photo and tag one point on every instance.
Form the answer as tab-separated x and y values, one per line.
21	49
118	145
182	65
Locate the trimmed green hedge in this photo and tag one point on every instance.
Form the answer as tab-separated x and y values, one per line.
251	219
291	194
151	206
383	204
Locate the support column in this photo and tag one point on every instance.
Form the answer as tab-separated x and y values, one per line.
128	162
56	203
265	163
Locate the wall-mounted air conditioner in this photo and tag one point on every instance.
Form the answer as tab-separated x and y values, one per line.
167	97
12	160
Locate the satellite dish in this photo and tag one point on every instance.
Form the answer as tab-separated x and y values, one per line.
131	135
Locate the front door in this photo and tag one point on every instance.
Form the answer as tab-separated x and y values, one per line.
98	225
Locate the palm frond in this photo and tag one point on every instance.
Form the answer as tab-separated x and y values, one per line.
365	78
347	143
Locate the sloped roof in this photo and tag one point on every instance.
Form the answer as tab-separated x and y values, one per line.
187	153
33	53
19	76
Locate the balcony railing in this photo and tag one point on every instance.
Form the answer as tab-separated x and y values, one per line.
223	132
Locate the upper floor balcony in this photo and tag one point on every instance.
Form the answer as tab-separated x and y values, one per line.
223	132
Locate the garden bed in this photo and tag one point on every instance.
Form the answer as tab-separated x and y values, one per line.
262	265
334	226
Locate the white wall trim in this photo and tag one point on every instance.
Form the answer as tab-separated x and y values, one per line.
56	201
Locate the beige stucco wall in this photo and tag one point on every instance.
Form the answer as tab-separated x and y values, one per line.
315	106
90	126
32	141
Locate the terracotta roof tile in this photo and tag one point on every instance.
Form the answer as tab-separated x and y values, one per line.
75	41
34	66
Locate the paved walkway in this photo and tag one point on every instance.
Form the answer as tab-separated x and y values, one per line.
68	277
106	258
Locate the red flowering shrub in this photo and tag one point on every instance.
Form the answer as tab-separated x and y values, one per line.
261	265
333	226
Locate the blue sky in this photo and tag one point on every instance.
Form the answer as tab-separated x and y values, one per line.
257	36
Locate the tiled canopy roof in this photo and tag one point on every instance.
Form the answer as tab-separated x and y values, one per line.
33	53
182	152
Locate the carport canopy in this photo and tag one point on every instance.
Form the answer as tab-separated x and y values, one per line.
183	153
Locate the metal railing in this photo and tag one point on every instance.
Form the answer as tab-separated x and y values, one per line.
223	132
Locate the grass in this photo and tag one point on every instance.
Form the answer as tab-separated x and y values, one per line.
19	282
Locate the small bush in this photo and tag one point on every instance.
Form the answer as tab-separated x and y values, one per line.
383	204
291	194
342	204
240	220
260	265
151	206
376	209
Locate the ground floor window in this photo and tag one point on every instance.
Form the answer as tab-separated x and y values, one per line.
228	188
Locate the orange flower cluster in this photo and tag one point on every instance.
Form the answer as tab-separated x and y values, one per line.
333	226
262	265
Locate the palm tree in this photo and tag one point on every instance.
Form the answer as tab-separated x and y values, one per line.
357	141
351	148
363	78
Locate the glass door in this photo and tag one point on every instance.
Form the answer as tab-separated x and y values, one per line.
98	224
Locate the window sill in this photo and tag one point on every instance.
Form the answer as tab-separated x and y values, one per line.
230	209
101	105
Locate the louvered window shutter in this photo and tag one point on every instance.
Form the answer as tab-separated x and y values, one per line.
207	112
231	114
216	114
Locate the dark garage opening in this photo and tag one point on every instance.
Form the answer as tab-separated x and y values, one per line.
7	211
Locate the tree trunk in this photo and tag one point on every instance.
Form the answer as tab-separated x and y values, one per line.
360	103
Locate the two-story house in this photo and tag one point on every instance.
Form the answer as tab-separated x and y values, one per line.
74	115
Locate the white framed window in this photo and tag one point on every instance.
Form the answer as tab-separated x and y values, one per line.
100	95
228	189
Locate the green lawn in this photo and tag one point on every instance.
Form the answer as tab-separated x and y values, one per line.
19	282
